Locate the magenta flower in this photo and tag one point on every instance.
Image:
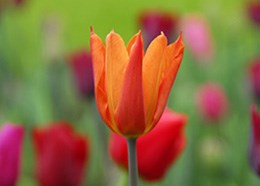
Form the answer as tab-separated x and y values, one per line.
11	137
212	102
154	22
254	75
81	66
197	35
254	12
254	146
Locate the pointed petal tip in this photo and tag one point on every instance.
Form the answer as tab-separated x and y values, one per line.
139	32
139	40
179	40
180	37
92	30
161	37
111	34
112	31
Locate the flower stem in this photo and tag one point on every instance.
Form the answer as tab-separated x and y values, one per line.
132	162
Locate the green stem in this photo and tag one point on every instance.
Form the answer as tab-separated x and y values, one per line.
132	162
122	180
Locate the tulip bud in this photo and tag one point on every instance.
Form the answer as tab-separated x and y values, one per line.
157	150
212	102
254	75
254	147
197	34
81	66
61	155
254	12
11	137
155	22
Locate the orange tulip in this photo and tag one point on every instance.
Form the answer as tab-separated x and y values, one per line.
132	86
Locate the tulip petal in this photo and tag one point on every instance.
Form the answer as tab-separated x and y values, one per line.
255	117
62	156
151	74
116	62
169	145
172	59
132	42
38	136
81	149
11	138
130	115
98	58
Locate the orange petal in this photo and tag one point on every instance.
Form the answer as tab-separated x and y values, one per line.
130	115
152	73
98	60
116	61
172	58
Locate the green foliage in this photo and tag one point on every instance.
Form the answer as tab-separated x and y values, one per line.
36	90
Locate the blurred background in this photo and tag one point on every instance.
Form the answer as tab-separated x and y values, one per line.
39	40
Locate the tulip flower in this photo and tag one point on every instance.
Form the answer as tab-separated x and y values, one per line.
132	86
254	12
11	137
254	147
81	66
61	155
254	75
157	150
196	33
153	22
212	102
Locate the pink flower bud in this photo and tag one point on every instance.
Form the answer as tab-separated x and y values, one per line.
197	35
212	102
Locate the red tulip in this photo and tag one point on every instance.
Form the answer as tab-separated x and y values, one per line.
254	12
212	102
61	155
157	150
254	148
11	137
81	66
154	22
254	75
